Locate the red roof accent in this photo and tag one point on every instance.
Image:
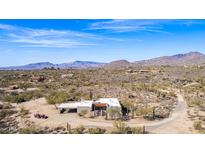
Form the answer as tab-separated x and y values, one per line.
101	104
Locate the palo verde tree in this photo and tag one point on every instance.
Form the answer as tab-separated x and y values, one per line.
57	97
129	104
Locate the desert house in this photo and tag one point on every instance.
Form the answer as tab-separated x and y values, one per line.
76	106
103	105
98	107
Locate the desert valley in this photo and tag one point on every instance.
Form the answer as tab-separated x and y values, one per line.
160	95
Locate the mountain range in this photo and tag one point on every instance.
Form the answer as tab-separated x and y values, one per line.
191	58
42	65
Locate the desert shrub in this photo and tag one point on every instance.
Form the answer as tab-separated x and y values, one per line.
96	131
128	103
34	94
113	113
172	94
15	98
24	85
79	130
2	95
144	111
119	128
195	102
137	130
6	112
23	112
29	130
57	97
134	130
22	97
197	125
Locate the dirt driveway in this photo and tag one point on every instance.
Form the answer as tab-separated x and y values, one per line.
178	121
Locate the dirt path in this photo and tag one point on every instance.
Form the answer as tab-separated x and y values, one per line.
178	121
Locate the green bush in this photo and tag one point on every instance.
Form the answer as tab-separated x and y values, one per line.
29	130
197	125
137	130
113	113
22	97
143	111
121	128
195	102
79	130
57	97
96	131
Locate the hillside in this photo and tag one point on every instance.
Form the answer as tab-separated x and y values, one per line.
118	63
191	58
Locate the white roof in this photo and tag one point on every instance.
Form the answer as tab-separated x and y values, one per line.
69	105
75	105
86	104
112	102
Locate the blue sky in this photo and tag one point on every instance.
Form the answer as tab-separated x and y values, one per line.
58	41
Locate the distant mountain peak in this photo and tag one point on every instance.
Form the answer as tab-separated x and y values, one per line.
42	65
195	52
190	58
118	63
121	61
192	53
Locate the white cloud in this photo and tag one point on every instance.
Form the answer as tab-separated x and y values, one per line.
131	25
56	43
28	37
128	26
6	27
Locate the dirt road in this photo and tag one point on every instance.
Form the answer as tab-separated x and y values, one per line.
178	121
